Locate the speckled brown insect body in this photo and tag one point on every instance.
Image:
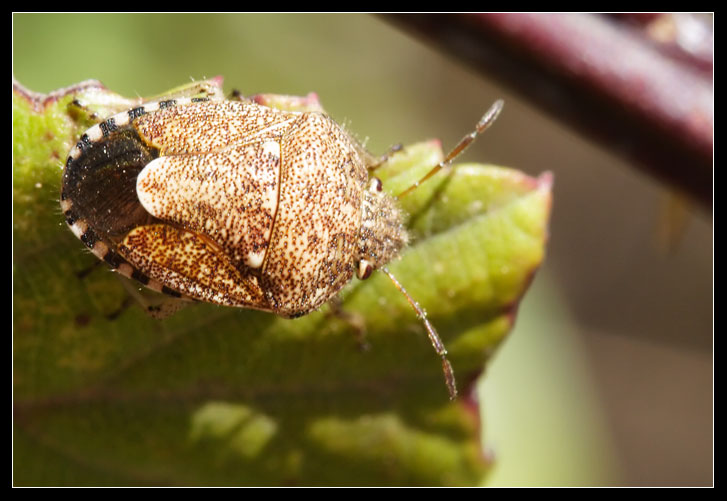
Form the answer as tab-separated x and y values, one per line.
230	202
237	204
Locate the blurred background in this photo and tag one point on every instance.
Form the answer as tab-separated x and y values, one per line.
607	378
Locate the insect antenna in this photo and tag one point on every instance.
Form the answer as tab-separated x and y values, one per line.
433	337
487	119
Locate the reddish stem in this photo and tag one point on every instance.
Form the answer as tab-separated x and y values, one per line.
603	77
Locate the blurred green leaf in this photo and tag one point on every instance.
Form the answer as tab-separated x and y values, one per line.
223	396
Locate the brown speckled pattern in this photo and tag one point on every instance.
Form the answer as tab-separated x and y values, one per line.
210	126
313	246
230	196
191	265
242	205
382	234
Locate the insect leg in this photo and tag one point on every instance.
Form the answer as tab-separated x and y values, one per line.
154	304
355	320
396	148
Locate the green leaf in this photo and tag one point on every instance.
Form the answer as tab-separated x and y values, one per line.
224	396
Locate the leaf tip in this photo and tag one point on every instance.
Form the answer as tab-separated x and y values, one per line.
545	181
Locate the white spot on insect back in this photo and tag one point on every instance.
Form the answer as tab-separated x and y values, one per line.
271	148
254	259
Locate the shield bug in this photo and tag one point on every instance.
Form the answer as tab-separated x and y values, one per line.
239	204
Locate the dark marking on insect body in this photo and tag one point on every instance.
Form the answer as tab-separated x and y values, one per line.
140	277
101	182
170	292
84	143
89	238
108	127
113	260
136	112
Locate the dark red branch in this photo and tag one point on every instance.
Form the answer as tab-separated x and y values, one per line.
601	76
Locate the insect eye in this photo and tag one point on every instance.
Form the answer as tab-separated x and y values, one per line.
375	185
365	269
